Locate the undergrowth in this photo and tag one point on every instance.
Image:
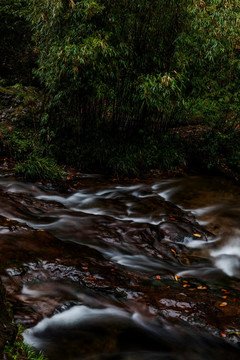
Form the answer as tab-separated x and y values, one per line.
34	160
123	156
36	167
19	351
217	148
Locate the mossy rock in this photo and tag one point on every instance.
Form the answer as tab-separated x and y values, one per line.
19	103
6	90
19	93
7	96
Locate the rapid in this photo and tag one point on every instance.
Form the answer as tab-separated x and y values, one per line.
131	270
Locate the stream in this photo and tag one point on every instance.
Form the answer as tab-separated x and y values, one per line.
131	270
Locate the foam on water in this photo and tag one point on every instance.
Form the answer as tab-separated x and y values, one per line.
68	223
76	315
227	256
115	221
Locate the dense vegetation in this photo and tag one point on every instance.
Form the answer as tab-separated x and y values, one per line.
120	86
16	53
123	81
19	351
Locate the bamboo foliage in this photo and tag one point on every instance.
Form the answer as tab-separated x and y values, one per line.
100	58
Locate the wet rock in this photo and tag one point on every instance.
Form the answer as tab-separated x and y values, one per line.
7	329
35	261
183	231
110	248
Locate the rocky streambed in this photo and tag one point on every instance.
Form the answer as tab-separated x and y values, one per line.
131	270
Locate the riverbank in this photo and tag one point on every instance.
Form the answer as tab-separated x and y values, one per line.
24	147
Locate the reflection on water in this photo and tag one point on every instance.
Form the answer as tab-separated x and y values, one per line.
149	244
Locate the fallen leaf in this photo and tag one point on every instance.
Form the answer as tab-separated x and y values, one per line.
233	332
91	278
223	335
84	267
223	304
172	250
198	235
132	274
202	287
186	285
176	277
158	277
8	220
40	230
187	261
70	176
224	297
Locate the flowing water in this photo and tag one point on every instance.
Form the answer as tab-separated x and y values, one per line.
123	270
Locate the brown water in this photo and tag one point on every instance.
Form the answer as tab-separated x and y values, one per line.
116	271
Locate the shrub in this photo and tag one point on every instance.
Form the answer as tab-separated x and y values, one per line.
35	168
19	350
